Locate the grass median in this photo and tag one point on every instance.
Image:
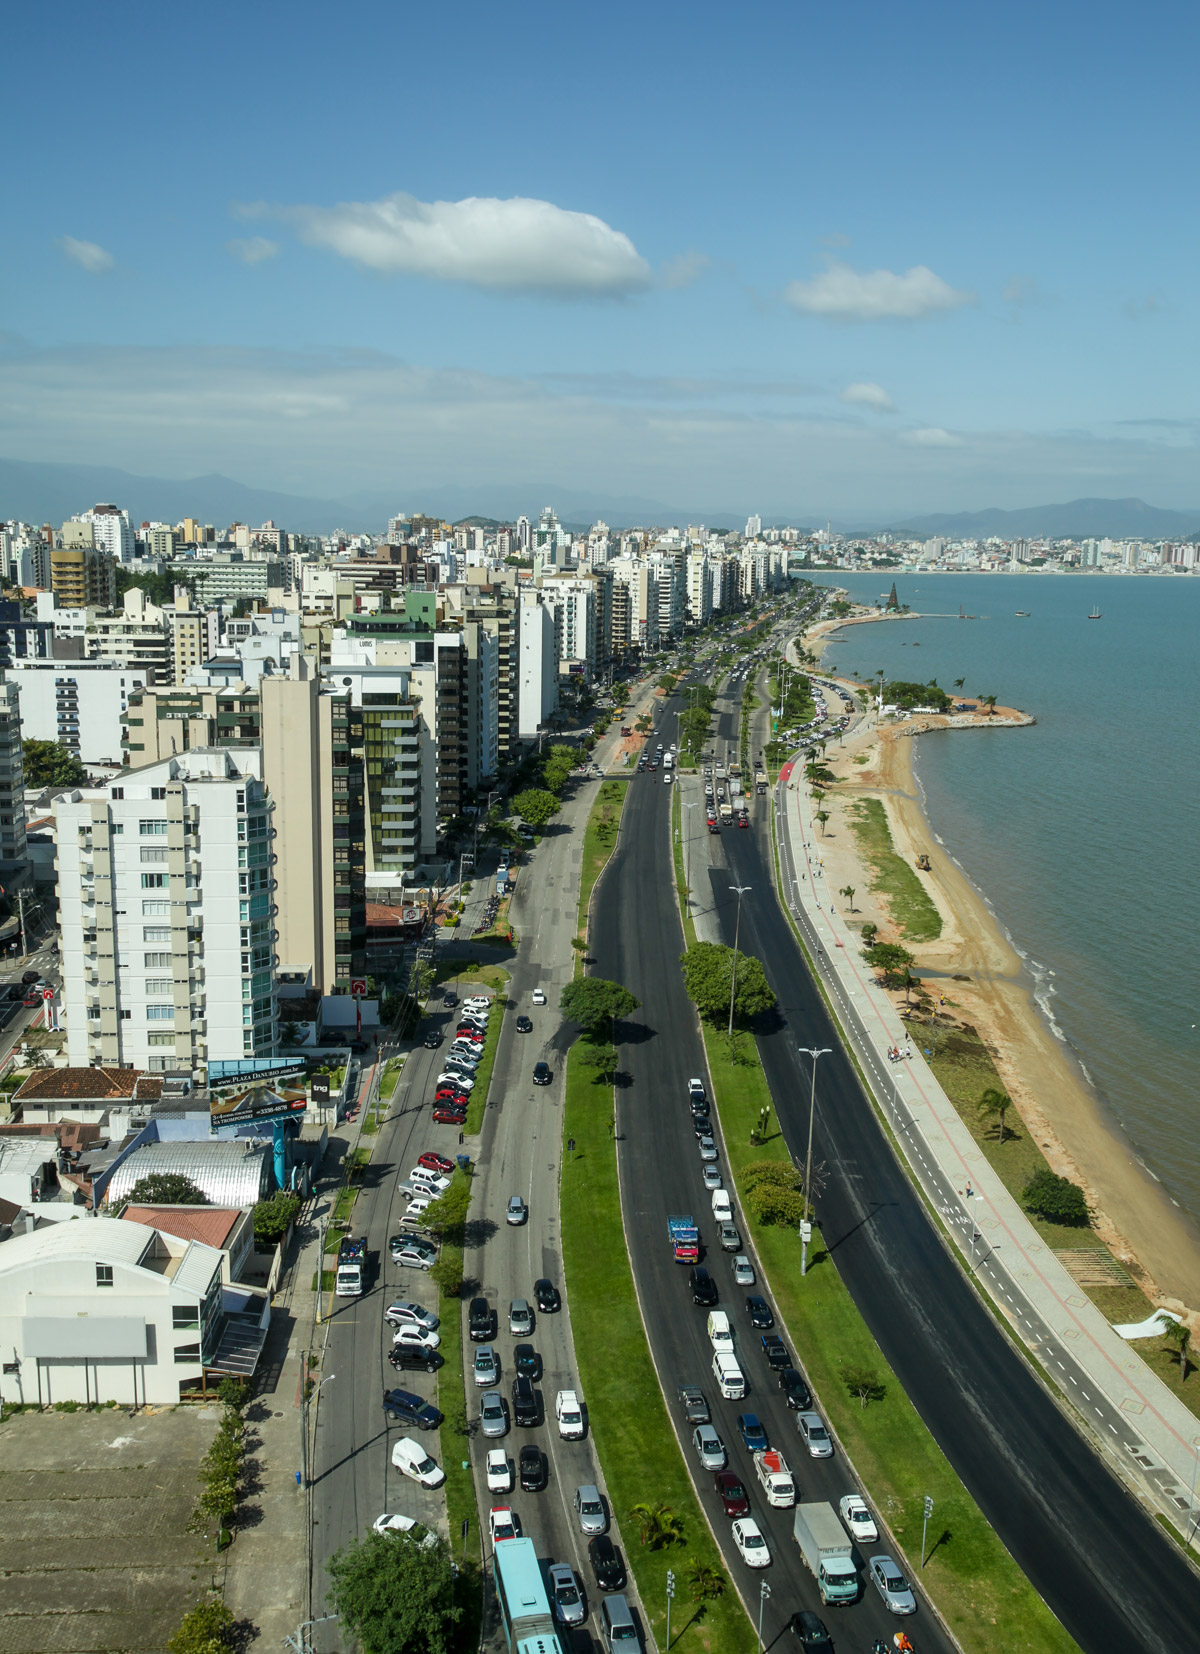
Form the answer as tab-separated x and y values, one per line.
599	842
483	1074
636	1445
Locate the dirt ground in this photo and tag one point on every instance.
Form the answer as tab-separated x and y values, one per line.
94	1548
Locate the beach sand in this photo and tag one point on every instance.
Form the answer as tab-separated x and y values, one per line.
1080	1138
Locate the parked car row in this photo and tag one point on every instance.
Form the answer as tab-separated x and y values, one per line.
455	1083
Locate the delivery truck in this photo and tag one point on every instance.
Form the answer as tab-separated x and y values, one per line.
828	1552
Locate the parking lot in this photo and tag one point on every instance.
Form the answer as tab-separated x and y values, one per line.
94	1546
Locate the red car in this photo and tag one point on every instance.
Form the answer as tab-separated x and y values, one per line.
451	1094
436	1163
447	1115
731	1493
475	1035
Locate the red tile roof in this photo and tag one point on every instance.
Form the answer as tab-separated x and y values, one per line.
211	1224
88	1085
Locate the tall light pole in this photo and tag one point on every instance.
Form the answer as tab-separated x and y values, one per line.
739	890
304	1419
670	1600
813	1051
687	855
764	1593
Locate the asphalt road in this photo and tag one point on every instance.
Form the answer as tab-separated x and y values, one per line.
1105	1568
637	940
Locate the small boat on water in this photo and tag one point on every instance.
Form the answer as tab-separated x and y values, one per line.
1095	614
1022	614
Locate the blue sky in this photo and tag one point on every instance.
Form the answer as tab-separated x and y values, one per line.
786	257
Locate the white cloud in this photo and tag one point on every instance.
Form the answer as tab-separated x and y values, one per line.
516	246
253	250
86	254
864	394
932	436
845	295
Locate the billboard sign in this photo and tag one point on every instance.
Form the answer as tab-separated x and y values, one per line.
258	1107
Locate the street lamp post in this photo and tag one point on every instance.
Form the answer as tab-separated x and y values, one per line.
687	854
764	1593
739	890
304	1419
813	1051
670	1599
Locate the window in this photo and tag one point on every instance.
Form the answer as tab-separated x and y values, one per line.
126	1016
154	881
158	792
160	1013
156	910
185	1315
116	792
155	933
118	827
156	986
186	1353
152	829
154	855
156	962
160	1039
104	1274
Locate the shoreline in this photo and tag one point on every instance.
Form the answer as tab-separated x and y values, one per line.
1078	1133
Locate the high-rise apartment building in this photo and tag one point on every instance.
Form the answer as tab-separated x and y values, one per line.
12	784
167	904
82	574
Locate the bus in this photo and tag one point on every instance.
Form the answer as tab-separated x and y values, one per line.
524	1607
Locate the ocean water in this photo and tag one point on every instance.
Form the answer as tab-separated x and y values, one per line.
1081	832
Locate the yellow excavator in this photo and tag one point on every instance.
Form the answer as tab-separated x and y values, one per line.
923	864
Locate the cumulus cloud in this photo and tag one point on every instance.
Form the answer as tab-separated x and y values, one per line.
253	249
86	254
864	394
842	294
932	436
517	245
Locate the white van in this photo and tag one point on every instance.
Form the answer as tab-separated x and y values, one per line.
721	1209
731	1381
720	1333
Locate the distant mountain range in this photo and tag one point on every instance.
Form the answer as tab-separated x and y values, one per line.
38	492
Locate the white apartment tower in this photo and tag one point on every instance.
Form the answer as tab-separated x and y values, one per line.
167	894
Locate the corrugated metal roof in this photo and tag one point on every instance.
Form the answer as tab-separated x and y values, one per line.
234	1173
197	1267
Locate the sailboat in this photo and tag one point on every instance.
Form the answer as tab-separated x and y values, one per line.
1095	614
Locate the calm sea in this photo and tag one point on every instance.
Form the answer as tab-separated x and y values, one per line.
1080	832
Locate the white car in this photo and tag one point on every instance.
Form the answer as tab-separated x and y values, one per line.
752	1547
406	1524
502	1524
415	1338
499	1471
411	1315
539	996
464	1082
435	1182
859	1522
743	1271
417	1205
411	1458
569	1414
477	1002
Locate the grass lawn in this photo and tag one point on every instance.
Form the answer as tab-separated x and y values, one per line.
473	973
599	841
908	901
634	1439
391	1074
483	1074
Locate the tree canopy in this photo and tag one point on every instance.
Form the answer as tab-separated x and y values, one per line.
1050	1196
890	958
395	1595
557	766
446	1216
903	693
274	1216
593	1003
774	1192
536	806
707	973
50	764
166	1189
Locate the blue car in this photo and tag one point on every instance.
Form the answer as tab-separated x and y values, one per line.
754	1436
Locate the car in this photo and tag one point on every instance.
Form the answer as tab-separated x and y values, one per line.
481	1321
450	999
589	1508
704	1288
858	1521
710	1449
538	996
516	1211
447	1114
420	1534
406	1360
416	1338
436	1163
814	1435
412	1252
752	1547
433	1039
701	1125
795	1390
775	1350
542	1074
502	1524
416	1207
607	1568
456	1082
546	1296
16	991
520	1318
527	1363
569	1413
729	1238
527	1409
759	1311
411	1458
499	1471
696	1091
731	1493
487	1366
524	1025
33	997
532	1468
410	1315
480	1002
564	1594
810	1631
402	1406
449	1096
712	1178
708	1148
891	1584
753	1433
493	1414
695	1406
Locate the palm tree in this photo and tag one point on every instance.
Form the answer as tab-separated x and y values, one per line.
705	1582
1178	1337
657	1526
958	682
998	1103
822	817
847	891
990	702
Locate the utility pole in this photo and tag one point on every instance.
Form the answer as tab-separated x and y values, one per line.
806	1222
739	890
670	1599
687	855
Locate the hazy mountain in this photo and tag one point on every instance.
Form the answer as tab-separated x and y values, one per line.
1078	520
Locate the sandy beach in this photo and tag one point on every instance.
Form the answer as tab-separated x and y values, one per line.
1142	1225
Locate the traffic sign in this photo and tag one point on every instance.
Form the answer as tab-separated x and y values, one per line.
358	987
47	993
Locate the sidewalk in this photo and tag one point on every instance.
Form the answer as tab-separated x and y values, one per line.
1145	1431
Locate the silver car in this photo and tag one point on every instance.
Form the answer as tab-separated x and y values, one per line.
493	1414
891	1584
487	1368
708	1149
743	1271
520	1318
589	1508
814	1435
710	1449
564	1594
730	1240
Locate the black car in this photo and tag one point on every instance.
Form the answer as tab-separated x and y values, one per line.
541	1073
433	1039
702	1124
795	1390
775	1351
527	1362
29	976
759	1311
704	1288
412	1360
546	1296
810	1630
450	999
403	1407
607	1567
481	1321
524	1025
532	1469
526	1411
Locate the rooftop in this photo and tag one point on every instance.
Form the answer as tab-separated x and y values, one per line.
91	1085
211	1225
